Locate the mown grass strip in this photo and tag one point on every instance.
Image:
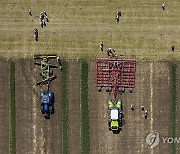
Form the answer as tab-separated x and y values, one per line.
12	144
84	108
174	101
64	107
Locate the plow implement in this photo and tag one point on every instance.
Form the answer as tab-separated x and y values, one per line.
115	75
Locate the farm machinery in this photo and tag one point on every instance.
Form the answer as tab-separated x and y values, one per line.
46	96
115	75
47	103
115	115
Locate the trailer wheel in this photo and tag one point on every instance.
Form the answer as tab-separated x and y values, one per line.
107	89
130	90
99	89
123	90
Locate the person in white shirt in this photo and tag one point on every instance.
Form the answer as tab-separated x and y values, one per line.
163	6
101	45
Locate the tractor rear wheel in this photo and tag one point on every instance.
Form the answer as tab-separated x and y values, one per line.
42	110
51	109
47	116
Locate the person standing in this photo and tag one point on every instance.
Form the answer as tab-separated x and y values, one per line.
30	13
163	6
117	18
36	34
142	107
145	114
132	107
172	48
59	62
101	45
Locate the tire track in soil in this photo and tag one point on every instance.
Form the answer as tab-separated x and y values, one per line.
162	103
74	122
23	106
52	127
38	134
4	108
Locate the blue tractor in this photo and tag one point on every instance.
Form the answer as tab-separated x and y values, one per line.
47	103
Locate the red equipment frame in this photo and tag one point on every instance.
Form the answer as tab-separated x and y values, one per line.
115	73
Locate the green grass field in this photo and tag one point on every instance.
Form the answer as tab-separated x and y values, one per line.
144	32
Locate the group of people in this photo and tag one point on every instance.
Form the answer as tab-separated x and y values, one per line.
43	18
118	15
142	109
110	51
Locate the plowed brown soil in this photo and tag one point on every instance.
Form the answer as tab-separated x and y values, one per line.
4	108
153	90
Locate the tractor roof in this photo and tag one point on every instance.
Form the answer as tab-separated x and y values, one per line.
114	114
45	99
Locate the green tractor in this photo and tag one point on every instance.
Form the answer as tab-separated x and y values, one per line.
115	118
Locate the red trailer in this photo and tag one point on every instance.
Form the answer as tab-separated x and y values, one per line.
115	75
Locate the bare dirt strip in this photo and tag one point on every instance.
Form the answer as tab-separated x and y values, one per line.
161	105
4	108
74	107
24	106
178	107
153	90
34	134
52	127
98	128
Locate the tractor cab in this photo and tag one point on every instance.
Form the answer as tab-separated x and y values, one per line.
47	101
115	115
